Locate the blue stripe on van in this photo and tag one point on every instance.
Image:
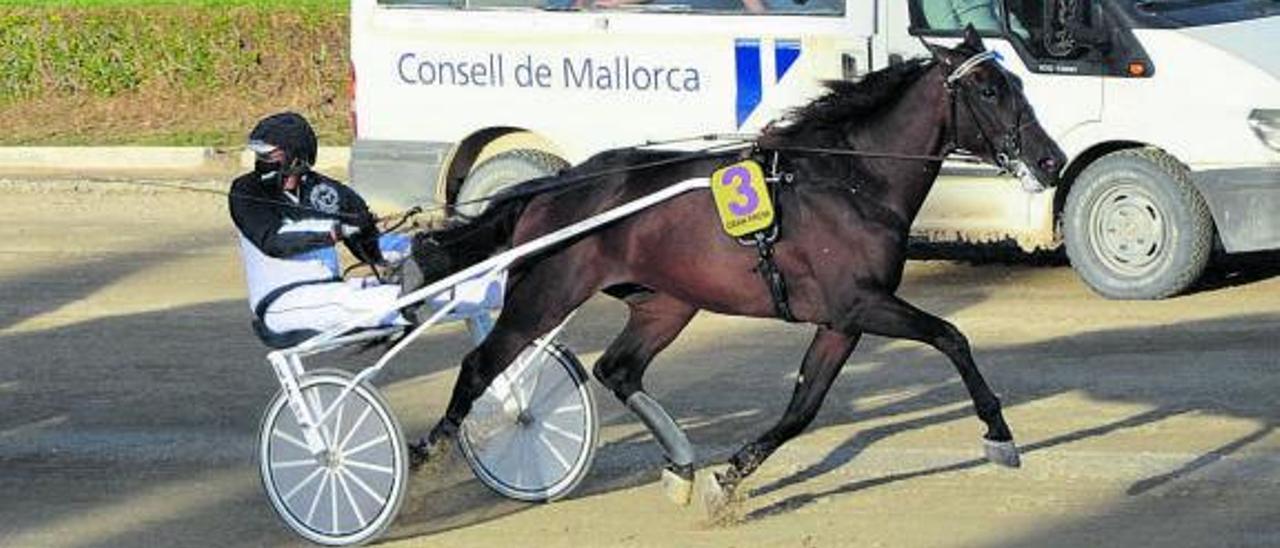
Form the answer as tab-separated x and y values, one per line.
785	53
747	57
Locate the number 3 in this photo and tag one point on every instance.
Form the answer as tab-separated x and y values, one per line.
742	178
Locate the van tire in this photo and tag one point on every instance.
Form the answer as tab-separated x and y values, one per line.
501	171
1136	227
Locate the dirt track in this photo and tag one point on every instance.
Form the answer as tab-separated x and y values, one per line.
130	388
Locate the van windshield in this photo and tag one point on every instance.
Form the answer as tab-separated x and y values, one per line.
1207	12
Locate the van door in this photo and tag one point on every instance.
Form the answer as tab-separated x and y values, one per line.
1062	79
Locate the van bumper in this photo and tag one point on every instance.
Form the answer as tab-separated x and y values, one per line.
1245	203
396	175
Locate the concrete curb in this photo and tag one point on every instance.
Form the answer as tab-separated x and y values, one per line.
149	162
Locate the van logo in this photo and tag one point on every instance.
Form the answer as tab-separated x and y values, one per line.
747	58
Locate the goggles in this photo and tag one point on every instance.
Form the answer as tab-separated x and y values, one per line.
262	150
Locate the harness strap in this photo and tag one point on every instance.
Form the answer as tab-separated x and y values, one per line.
768	269
260	309
764	240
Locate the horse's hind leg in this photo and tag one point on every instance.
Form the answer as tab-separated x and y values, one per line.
537	302
822	362
655	321
884	314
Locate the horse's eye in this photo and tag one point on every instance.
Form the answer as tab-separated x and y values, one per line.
988	93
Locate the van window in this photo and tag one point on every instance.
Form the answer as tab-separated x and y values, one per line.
952	16
441	3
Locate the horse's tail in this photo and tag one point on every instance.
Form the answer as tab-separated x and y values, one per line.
439	253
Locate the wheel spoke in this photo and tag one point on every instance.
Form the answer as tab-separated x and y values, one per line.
540	369
355	427
524	461
553	428
315	501
346	490
305	482
547	399
382	501
295	441
315	412
532	463
482	435
284	465
564	464
496	442
369	466
337	424
333	503
506	452
365	445
567	409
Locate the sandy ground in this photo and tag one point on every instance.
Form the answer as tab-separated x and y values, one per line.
130	390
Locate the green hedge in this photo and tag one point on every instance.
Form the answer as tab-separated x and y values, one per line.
107	51
116	61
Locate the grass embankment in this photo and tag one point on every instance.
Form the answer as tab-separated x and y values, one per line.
160	72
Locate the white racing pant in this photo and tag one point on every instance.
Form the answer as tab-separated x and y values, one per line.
325	306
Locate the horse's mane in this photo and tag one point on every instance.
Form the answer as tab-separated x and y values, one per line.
846	101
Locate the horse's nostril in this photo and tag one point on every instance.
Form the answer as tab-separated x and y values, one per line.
1049	164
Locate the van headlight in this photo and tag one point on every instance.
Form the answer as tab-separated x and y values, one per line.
1266	124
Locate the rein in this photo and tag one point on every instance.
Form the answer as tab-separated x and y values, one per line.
859	153
566	182
952	84
227	193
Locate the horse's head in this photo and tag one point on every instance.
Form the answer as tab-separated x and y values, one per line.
992	119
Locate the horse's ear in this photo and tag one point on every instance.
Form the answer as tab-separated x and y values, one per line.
972	40
938	52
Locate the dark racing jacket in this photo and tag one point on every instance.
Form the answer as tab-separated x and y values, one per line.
286	238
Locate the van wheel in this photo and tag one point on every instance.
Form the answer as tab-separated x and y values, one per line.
1136	228
501	171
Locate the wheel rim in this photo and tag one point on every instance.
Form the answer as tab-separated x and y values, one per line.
352	490
531	435
1128	230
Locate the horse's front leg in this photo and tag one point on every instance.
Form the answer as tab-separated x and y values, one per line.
887	315
822	362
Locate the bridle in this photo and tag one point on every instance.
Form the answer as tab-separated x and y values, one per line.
1010	146
1007	152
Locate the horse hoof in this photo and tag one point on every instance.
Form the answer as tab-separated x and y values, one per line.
427	457
715	497
678	489
418	453
1003	453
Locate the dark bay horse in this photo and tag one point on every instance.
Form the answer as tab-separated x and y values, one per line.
843	223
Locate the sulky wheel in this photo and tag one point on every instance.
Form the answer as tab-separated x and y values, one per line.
351	492
532	435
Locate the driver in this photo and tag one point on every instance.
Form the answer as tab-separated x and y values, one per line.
290	219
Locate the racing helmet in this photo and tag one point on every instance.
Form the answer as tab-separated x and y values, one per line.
292	134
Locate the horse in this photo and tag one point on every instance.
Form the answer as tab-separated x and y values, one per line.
860	158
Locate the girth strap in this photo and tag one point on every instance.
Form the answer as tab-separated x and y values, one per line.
768	269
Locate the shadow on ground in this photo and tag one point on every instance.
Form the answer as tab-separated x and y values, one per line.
152	416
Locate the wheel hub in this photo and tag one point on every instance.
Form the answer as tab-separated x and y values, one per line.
329	460
1128	229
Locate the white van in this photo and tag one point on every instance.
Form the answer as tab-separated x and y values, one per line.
1169	110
